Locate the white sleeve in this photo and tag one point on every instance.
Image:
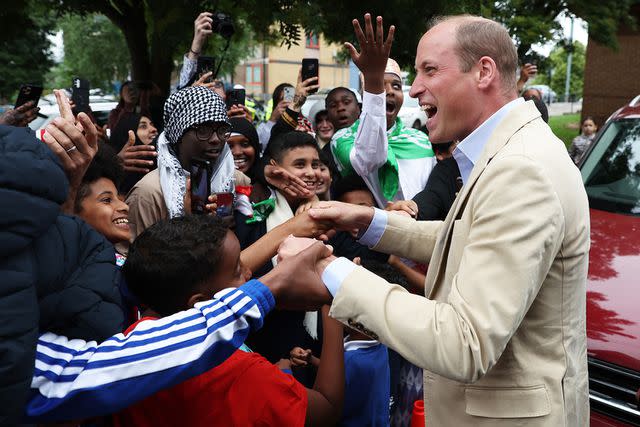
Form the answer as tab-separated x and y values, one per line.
188	70
370	146
76	379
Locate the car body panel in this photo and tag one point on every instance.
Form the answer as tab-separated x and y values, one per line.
613	314
611	170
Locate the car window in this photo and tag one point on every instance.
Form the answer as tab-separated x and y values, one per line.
611	171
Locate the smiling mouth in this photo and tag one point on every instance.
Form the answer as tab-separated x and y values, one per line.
121	222
429	109
240	162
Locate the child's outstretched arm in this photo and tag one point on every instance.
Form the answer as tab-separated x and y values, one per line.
326	398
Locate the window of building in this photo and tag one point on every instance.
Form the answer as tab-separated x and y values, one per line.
248	74
257	71
312	41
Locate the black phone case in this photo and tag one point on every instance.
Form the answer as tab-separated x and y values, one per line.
199	197
80	94
236	97
28	93
309	69
206	64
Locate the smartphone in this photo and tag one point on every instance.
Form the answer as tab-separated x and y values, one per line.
206	64
310	68
235	97
288	93
224	201
28	92
200	185
80	94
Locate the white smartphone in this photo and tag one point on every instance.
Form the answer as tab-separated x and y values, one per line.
289	92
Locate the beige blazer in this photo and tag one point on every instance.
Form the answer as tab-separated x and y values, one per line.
501	335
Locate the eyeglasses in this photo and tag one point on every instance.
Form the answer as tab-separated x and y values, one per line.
206	130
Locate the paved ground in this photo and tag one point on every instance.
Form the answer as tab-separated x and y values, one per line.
560	108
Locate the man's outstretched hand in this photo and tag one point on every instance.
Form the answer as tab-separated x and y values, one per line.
343	216
296	283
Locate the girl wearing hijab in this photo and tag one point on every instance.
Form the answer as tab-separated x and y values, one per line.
145	135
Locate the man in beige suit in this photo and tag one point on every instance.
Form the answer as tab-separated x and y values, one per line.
501	332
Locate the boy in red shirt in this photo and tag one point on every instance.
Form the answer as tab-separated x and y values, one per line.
174	265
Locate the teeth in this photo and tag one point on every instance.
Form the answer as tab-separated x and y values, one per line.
429	109
121	221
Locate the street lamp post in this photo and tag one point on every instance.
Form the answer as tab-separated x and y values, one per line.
567	81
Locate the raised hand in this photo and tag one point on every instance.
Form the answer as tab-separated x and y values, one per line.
21	116
374	52
202	29
74	143
303	89
238	110
135	158
278	110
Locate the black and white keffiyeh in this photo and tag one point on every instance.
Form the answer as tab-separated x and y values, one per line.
184	109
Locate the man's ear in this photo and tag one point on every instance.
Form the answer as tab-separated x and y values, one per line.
196	298
487	72
273	162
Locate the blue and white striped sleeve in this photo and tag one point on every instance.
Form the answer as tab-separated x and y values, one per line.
77	379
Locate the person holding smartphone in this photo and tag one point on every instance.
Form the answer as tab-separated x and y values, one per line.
20	116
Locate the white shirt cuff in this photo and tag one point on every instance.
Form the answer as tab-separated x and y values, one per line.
335	273
374	232
374	104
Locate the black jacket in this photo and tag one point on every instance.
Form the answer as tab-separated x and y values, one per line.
440	191
58	274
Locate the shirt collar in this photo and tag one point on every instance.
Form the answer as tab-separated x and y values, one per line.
468	151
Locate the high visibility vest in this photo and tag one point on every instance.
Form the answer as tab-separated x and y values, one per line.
268	109
251	106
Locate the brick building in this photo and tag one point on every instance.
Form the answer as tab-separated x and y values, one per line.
269	66
612	78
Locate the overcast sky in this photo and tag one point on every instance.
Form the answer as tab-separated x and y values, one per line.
579	34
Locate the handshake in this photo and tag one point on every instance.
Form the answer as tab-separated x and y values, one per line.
296	281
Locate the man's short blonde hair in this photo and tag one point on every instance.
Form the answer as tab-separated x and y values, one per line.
477	37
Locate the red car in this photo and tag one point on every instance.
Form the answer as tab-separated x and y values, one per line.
611	175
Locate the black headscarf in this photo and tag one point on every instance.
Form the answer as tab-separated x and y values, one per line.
245	128
119	137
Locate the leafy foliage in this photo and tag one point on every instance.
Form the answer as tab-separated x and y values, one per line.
558	60
24	48
157	32
94	48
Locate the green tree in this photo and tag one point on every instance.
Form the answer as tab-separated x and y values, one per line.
24	48
94	49
157	30
558	63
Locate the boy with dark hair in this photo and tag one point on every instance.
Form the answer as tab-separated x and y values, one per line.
297	153
97	201
178	263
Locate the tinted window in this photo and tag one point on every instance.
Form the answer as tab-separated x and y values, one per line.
611	172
